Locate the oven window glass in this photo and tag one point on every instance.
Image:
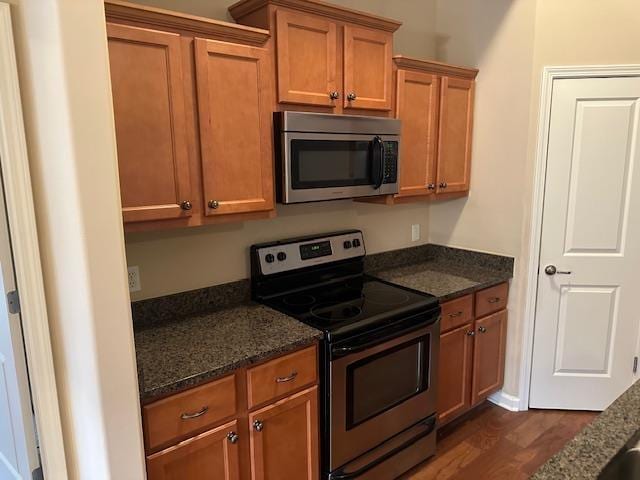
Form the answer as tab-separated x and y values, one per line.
329	163
382	381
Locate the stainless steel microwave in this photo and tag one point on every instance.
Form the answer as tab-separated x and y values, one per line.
328	157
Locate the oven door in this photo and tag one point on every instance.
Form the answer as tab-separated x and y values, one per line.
379	390
332	166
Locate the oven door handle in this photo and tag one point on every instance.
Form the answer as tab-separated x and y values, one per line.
378	146
339	352
430	423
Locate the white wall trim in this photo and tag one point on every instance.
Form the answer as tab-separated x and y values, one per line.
549	75
506	401
26	256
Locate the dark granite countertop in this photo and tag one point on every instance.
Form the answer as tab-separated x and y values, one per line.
173	355
588	453
449	273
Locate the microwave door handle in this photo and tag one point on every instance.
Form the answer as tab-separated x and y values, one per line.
378	147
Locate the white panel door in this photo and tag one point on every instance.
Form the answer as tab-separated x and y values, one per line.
587	319
18	455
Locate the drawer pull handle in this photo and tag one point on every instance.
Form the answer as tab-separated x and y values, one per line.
189	416
494	300
288	378
456	314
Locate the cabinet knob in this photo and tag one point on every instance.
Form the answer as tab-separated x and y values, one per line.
471	333
334	95
351	96
443	185
213	204
258	425
431	186
186	205
482	329
233	437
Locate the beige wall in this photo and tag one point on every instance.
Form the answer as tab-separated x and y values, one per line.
64	80
498	38
415	37
176	261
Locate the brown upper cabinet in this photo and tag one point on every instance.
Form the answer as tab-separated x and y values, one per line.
148	104
326	58
192	105
435	103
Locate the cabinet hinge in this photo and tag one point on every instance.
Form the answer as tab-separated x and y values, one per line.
13	301
635	364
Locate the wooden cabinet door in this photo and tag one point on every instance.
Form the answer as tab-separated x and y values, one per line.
454	376
454	143
307	59
234	104
417	107
209	455
148	104
489	355
284	438
367	68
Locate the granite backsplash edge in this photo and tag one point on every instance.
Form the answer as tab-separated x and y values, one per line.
153	311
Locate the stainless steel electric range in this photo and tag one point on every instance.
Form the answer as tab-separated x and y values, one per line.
379	355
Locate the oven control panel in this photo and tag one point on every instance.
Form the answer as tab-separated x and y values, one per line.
292	255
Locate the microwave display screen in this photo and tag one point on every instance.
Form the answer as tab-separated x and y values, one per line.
315	250
329	163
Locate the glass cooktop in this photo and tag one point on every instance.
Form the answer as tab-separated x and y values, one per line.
352	304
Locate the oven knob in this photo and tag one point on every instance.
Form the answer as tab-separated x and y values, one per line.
347	244
269	258
282	256
356	242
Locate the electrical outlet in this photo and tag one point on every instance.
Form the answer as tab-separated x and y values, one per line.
415	232
134	279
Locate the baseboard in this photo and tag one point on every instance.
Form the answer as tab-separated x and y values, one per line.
506	401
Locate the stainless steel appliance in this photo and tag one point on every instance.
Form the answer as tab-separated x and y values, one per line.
379	355
327	157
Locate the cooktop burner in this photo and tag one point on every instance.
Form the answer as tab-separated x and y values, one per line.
350	304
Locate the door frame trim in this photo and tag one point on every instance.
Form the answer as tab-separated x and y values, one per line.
532	257
16	178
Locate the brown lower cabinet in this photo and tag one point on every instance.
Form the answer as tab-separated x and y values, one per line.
472	353
195	435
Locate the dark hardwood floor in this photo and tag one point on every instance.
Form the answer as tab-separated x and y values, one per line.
493	443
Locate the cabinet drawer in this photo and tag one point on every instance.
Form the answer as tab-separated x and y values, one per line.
194	410
491	300
456	312
281	376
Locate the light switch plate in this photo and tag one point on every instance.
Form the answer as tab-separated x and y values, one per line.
134	279
415	232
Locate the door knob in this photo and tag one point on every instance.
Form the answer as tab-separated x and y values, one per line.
552	270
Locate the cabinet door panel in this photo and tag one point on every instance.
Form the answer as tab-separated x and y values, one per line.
489	355
454	144
235	127
417	107
454	377
367	68
212	452
307	59
287	444
148	104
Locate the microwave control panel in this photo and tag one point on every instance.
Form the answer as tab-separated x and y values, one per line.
390	162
